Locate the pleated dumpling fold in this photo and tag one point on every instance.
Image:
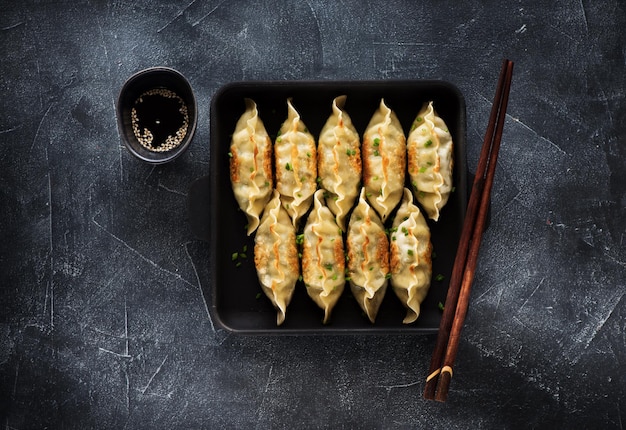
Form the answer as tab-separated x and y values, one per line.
410	257
430	160
339	161
384	160
251	165
295	157
367	257
323	260
276	256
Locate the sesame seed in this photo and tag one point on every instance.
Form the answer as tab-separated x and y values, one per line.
146	137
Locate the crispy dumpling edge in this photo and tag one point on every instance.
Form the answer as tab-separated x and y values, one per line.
411	296
386	197
314	269
434	131
276	214
296	201
368	299
346	164
252	205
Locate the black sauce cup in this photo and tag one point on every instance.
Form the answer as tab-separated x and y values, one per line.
135	86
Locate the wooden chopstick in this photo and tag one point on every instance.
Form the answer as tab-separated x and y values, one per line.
463	247
457	300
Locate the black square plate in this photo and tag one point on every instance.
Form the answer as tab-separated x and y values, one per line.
236	301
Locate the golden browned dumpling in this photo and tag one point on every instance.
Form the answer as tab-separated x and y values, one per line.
384	160
295	156
323	260
251	165
410	257
276	256
430	159
368	257
339	162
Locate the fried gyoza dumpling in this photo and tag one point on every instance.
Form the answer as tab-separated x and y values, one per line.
410	257
339	161
368	257
384	160
323	260
430	154
251	165
295	156
276	256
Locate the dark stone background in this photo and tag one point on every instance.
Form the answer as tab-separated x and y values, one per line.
103	323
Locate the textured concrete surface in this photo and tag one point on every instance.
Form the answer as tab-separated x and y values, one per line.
103	311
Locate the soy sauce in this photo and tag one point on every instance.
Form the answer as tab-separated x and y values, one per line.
159	119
